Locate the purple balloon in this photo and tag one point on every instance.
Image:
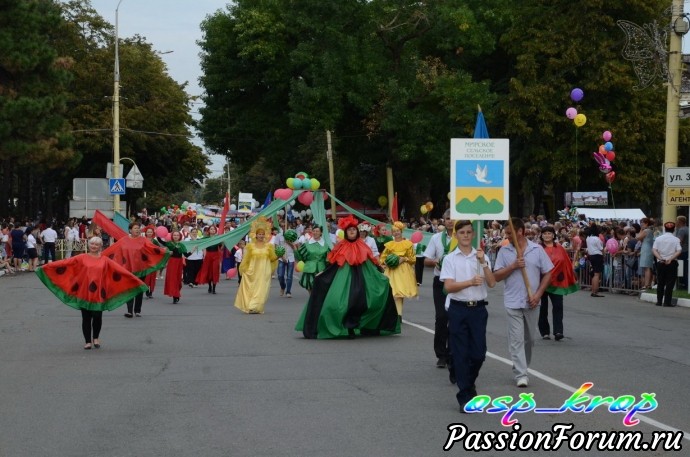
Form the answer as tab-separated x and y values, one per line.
570	113
607	136
576	94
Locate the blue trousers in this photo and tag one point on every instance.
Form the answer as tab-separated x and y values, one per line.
285	270
467	335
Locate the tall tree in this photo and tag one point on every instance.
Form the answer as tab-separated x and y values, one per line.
33	130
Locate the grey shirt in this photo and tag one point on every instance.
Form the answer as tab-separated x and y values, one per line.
537	263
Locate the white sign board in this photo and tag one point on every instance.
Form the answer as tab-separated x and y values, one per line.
135	180
479	178
677	177
245	202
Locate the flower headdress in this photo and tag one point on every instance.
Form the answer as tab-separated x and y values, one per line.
399	225
364	227
260	223
346	222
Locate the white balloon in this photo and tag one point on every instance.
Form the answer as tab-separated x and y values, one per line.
309	212
303	213
280	212
233	207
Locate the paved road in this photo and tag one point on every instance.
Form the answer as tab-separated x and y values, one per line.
200	378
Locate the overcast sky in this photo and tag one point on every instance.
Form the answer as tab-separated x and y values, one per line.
169	25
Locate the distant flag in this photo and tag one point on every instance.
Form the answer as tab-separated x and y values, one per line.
394	208
224	213
267	201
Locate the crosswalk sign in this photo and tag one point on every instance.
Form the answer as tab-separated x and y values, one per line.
116	186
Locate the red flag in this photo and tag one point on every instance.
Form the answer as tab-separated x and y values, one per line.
224	214
394	208
108	226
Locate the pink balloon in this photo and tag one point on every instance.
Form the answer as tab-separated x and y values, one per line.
306	198
570	113
612	245
283	194
231	273
607	136
168	237
416	237
162	232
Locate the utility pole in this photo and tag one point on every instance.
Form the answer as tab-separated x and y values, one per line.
331	173
116	115
679	27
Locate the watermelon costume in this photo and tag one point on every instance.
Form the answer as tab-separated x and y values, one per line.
563	280
313	254
138	255
90	283
350	297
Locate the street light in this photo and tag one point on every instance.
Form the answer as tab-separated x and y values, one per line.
116	114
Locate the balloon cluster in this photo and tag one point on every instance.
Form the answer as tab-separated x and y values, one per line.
605	156
426	207
568	214
301	181
571	113
185	211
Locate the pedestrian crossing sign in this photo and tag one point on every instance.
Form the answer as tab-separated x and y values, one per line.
116	186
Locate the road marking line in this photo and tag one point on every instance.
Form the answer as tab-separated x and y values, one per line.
560	384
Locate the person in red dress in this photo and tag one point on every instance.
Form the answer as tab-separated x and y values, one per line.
173	272
150	279
210	268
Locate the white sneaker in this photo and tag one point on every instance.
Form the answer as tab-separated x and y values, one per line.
523	381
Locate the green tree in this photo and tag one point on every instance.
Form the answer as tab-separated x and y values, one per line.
579	46
34	134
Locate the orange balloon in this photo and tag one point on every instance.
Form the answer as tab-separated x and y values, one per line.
602	150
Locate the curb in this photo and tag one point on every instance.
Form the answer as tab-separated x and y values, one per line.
651	298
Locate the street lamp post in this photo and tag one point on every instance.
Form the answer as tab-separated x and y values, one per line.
116	114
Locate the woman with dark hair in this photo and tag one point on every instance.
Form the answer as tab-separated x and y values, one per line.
313	253
351	296
210	267
563	282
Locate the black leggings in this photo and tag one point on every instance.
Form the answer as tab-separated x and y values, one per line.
91	319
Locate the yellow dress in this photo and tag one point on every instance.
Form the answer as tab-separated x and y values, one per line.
402	278
258	264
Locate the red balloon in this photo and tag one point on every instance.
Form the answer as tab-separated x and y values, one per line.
416	237
306	198
231	273
610	177
611	155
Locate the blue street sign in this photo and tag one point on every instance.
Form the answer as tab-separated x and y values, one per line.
116	186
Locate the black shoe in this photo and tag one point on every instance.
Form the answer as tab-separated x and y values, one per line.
451	377
669	306
658	304
209	288
462	408
558	336
149	294
175	300
441	363
129	315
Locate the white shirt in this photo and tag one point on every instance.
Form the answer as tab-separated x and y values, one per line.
369	241
279	240
667	245
49	235
594	245
460	267
238	255
435	249
31	241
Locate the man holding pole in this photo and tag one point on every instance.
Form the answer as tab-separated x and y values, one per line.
522	264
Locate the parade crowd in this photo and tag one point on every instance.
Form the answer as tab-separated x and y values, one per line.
358	275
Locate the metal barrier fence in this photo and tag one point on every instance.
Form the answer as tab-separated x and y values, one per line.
618	277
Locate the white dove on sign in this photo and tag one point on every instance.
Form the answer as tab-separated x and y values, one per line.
480	174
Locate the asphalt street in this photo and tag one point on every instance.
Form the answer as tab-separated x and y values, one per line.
200	378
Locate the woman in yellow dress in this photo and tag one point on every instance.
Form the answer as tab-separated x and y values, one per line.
398	259
258	264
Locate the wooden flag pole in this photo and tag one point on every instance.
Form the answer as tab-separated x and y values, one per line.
525	278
